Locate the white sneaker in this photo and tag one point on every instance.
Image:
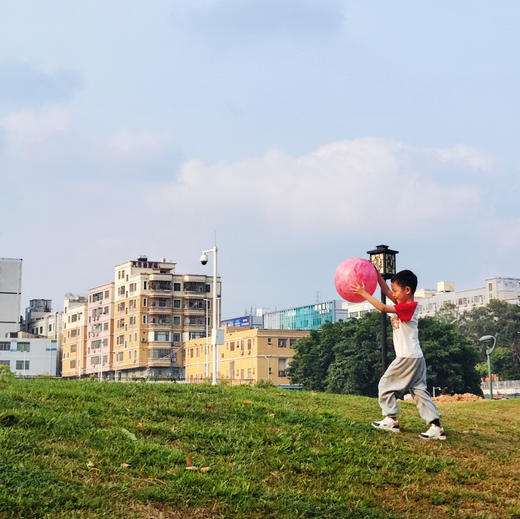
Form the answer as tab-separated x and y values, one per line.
433	433
388	424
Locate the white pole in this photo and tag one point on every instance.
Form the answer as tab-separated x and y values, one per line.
214	323
206	357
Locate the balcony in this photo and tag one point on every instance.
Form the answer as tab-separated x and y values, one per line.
162	324
156	309
160	277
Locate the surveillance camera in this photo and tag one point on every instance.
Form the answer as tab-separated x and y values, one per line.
204	258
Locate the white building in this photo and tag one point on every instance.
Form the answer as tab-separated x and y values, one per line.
30	357
431	301
10	295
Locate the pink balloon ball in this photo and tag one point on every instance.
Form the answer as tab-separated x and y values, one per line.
354	271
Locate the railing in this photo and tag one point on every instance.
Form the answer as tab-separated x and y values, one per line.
502	387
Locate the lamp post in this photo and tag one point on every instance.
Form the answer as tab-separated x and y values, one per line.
206	353
489	351
204	260
383	260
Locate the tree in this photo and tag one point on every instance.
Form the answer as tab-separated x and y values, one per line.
503	320
450	357
345	357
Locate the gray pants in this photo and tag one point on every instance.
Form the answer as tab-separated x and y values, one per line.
405	374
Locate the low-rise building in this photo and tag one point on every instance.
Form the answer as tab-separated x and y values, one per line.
430	301
30	357
247	356
308	317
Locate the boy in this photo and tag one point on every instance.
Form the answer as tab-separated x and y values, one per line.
408	371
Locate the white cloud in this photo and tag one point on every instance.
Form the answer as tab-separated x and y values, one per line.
464	155
131	146
35	127
343	185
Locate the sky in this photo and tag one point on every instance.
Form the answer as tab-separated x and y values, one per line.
295	133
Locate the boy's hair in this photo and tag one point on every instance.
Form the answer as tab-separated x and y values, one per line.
405	278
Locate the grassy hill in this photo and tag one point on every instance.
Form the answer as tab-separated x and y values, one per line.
75	449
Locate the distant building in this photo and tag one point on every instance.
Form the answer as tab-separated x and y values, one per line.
247	356
309	317
10	295
156	311
30	357
100	330
245	321
431	301
74	337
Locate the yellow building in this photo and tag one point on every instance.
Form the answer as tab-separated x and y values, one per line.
155	312
247	356
74	337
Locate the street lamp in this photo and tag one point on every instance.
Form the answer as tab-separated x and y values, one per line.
489	351
206	353
383	260
204	260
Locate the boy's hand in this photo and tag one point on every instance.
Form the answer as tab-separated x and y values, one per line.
359	289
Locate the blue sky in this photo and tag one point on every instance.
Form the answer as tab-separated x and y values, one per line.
302	132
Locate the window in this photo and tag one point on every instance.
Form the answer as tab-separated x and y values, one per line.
232	346
269	341
161	336
292	342
145	285
23	346
72	364
176	303
144	301
120	339
5	346
176	337
177	287
107	294
249	373
144	319
22	365
133	287
176	320
208	287
282	343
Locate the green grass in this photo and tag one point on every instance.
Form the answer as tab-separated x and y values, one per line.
272	453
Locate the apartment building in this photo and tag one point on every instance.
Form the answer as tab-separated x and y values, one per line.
74	337
246	357
100	326
155	311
